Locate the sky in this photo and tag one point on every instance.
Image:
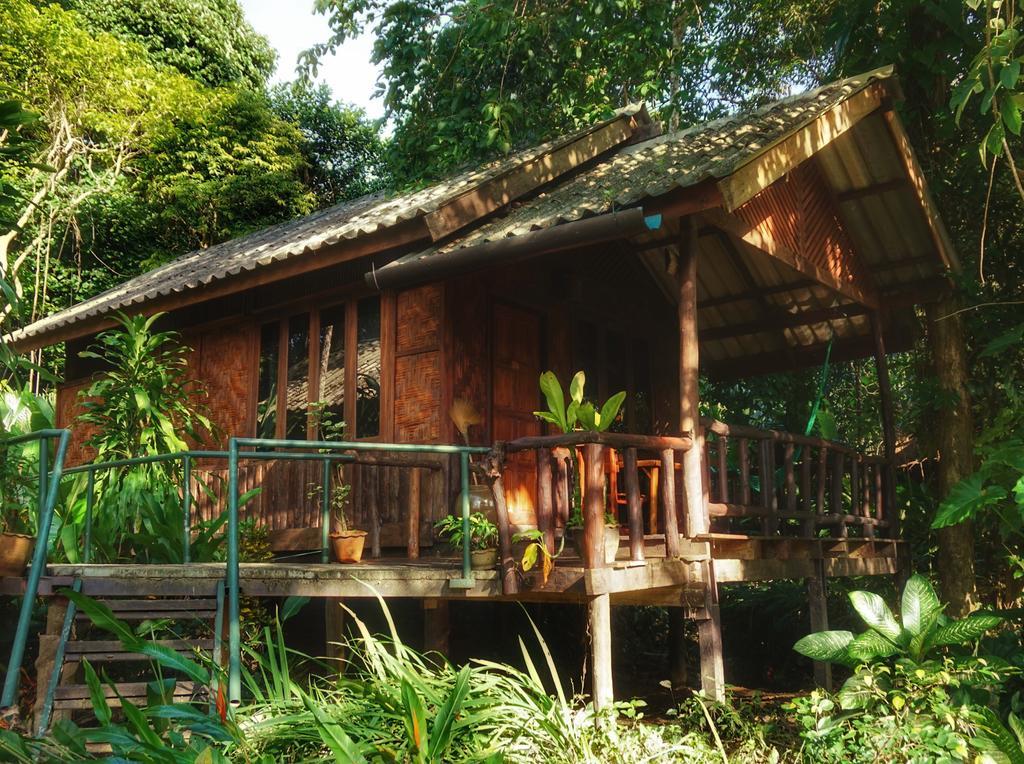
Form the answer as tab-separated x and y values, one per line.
291	26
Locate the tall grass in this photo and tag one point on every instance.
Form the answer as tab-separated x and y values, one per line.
392	704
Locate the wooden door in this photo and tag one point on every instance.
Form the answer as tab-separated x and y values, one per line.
516	367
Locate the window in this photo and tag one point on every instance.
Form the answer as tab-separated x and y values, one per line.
317	357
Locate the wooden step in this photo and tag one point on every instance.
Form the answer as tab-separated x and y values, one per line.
154	609
76	697
106	650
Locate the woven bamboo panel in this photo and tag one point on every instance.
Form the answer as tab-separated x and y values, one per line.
227	369
418	398
419	319
67	411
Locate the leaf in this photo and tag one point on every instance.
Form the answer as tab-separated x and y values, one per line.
342	746
919	603
293	605
552	390
826	646
441	730
870	646
100	706
1011	116
415	719
965	630
966	499
587	416
610	410
994	737
1004	341
530	557
579	380
1009	75
876	614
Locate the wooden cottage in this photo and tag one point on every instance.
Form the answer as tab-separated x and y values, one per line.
733	248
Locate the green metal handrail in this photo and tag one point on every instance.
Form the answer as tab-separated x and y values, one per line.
231	576
327	452
47	499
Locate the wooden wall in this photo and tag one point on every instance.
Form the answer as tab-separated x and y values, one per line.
419	404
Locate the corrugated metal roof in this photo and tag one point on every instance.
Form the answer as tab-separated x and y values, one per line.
295	238
663	164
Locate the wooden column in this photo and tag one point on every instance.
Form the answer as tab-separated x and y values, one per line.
334	632
709	637
413	540
678	674
495	464
600	612
689	376
599	607
817	589
545	500
436	626
634	511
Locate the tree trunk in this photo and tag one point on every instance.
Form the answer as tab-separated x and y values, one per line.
954	435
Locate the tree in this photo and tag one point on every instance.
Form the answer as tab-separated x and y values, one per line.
463	80
343	150
207	40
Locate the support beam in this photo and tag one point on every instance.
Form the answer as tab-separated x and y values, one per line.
600	613
783	321
817	596
709	637
678	673
334	633
436	626
694	490
888	422
897	184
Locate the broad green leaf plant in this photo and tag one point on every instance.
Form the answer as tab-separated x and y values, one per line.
579	414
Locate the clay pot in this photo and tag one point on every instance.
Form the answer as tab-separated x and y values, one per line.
481	499
483	559
611	542
15	551
348	545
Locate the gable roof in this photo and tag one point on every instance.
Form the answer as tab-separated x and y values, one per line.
602	168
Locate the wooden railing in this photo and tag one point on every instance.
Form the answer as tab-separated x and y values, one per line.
580	461
770	483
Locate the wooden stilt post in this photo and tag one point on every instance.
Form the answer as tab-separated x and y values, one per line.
600	608
495	464
413	539
334	632
709	637
436	626
817	590
677	670
689	397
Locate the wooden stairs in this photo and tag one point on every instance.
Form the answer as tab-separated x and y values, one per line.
71	638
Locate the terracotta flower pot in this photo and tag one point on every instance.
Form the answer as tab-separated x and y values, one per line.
15	551
348	545
611	542
483	559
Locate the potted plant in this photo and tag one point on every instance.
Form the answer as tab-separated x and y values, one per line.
346	542
574	526
483	538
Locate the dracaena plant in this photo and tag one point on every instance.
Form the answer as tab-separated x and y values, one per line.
579	414
918	636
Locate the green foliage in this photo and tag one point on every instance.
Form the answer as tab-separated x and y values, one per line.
342	148
483	533
923	630
580	413
465	80
919	689
144	402
207	40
